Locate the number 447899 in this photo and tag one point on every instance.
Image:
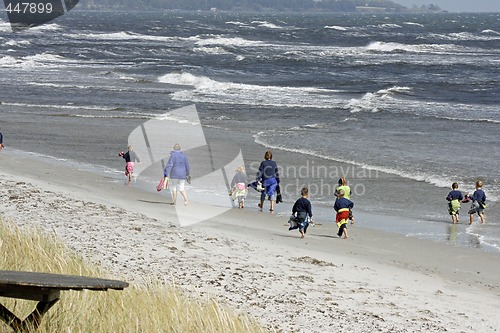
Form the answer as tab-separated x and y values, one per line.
29	8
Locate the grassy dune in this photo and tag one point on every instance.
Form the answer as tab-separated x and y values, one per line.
153	307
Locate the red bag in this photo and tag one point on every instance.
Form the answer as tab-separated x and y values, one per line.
163	184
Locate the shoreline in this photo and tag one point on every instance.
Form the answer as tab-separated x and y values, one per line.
250	261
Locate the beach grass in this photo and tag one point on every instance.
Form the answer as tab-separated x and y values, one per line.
149	307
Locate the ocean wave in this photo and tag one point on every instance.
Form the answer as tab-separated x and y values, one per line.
8	61
386	26
238	23
122	36
205	89
336	27
211	50
395	100
41	60
60	106
59	85
414	23
485	241
489	31
310	126
225	41
373	102
266	24
466	36
46	27
18	43
390	47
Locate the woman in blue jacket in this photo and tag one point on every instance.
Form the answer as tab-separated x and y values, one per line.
268	176
177	170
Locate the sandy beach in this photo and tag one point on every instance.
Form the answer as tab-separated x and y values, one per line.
248	260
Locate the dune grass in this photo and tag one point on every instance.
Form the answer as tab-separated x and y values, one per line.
152	307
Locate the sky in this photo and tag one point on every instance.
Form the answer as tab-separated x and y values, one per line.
457	5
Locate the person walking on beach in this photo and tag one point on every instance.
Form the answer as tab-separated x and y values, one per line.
178	171
130	158
454	198
301	213
347	194
268	176
478	202
1	141
342	207
239	186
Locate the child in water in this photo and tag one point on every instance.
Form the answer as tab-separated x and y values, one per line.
454	198
478	202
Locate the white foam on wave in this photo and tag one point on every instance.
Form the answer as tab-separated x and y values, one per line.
45	60
46	27
414	24
395	100
372	102
5	27
18	43
466	36
388	26
238	23
390	47
336	27
9	61
310	126
225	41
60	106
211	50
122	36
489	31
60	85
208	90
266	24
488	242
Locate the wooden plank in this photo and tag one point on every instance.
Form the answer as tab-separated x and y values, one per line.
58	281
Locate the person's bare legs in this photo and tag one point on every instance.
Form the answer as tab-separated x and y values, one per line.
271	209
345	233
174	196
481	216
184	195
471	218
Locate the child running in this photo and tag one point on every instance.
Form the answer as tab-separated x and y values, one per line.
347	194
301	213
478	202
342	207
130	158
454	198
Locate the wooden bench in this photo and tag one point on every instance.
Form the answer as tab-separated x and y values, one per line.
44	288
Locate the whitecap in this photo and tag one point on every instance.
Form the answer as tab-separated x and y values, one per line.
336	27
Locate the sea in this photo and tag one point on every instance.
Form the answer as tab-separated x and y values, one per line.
401	105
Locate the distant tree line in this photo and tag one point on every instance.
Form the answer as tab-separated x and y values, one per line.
245	5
